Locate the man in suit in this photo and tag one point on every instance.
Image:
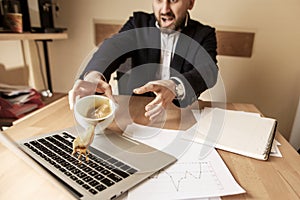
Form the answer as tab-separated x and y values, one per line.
173	58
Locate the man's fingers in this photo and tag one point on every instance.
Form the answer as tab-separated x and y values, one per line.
80	89
164	100
73	94
106	89
164	91
154	111
83	88
146	88
110	95
71	99
157	100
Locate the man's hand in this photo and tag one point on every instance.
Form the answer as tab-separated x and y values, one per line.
165	93
93	82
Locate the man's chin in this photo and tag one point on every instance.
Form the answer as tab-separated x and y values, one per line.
168	29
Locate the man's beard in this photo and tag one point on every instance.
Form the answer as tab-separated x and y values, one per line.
175	26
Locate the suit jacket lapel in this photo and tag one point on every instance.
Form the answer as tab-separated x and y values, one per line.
182	46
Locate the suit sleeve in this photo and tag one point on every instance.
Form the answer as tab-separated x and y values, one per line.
200	70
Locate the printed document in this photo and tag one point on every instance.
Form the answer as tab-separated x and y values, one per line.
195	175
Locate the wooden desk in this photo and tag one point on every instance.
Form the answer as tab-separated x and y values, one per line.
20	178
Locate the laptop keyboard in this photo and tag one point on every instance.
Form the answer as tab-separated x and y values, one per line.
99	173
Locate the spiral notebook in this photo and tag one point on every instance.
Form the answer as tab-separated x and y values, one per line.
245	133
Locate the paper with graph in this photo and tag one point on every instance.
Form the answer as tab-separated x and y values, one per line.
192	176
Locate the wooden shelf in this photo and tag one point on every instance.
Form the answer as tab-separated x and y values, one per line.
33	36
45	37
55	96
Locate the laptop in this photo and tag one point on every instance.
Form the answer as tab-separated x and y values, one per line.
116	163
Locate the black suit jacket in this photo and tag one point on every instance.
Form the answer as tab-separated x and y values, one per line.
194	60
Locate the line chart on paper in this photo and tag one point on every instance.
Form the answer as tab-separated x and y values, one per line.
197	173
190	177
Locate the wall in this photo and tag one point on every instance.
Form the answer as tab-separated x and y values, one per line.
269	79
12	68
79	19
295	134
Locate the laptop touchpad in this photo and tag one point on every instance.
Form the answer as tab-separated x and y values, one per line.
112	142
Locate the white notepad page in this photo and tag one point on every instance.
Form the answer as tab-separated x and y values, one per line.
240	132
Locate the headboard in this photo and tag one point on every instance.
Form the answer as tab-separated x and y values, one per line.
230	43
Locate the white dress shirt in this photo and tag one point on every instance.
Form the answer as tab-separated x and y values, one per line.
168	46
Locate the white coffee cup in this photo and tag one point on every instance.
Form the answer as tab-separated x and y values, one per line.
85	105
